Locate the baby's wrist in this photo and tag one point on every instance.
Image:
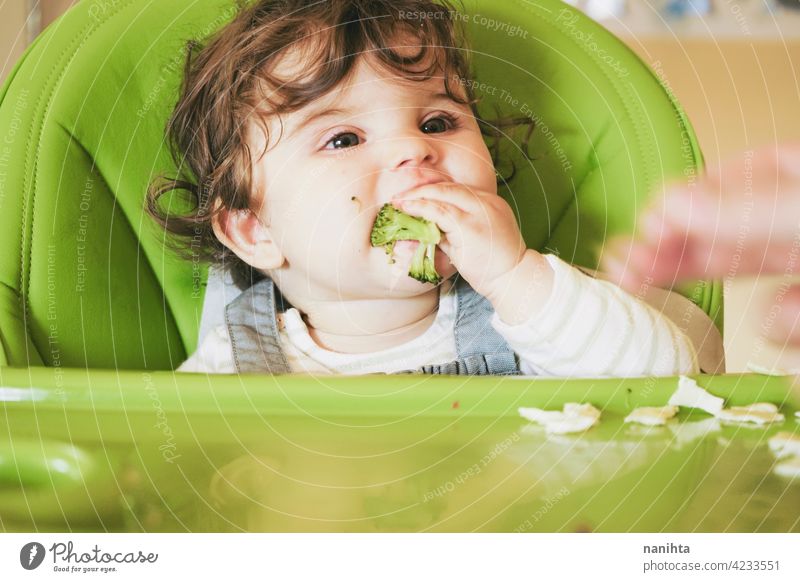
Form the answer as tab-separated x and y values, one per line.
520	294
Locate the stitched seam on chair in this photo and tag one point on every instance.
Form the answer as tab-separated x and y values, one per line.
547	14
29	188
70	53
175	18
680	115
577	188
6	85
3	344
125	218
619	89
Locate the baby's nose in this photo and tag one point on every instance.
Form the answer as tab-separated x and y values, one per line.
412	150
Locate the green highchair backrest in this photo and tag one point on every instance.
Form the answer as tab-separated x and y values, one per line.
85	280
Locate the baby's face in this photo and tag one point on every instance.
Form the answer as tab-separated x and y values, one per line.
321	187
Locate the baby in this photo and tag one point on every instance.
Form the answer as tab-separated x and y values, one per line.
295	124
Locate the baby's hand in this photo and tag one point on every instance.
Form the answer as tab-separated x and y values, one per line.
481	236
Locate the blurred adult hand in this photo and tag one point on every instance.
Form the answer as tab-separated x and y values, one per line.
742	218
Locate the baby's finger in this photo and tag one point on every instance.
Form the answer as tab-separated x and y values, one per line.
459	195
447	217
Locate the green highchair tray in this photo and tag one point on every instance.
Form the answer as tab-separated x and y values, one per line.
155	452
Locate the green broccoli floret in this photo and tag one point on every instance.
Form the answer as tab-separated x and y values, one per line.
392	225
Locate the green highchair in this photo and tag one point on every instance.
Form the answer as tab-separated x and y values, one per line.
98	433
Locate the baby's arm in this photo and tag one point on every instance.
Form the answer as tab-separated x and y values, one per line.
561	323
590	327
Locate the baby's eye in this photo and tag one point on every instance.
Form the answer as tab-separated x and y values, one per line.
440	123
345	137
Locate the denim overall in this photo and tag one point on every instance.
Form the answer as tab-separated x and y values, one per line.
252	325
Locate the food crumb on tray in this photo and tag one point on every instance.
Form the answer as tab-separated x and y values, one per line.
759	413
652	415
790	468
691	395
574	418
784	444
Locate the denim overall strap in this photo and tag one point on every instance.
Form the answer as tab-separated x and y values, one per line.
481	350
252	324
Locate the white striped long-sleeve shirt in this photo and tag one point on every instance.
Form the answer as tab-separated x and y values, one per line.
587	328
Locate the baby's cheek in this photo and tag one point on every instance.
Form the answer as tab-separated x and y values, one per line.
480	170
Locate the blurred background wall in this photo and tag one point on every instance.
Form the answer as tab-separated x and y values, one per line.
20	22
733	64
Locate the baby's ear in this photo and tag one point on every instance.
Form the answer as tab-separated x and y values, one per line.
243	233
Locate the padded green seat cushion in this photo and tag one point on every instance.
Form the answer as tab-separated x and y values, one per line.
86	280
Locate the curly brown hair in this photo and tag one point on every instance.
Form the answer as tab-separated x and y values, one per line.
230	80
